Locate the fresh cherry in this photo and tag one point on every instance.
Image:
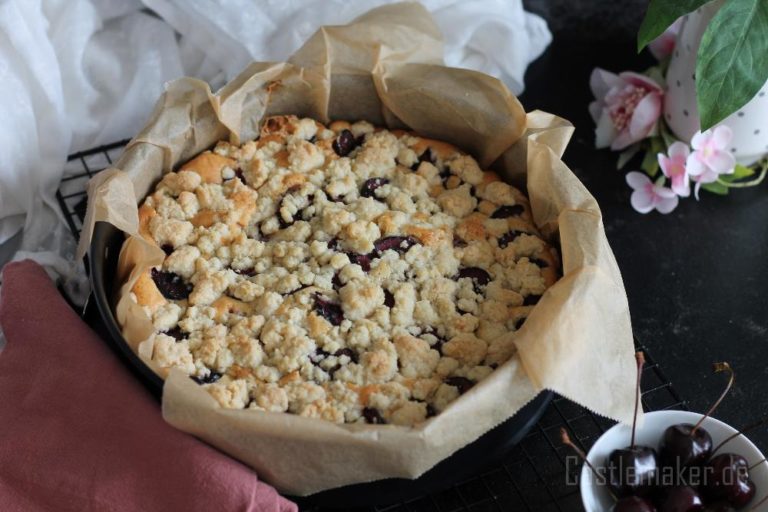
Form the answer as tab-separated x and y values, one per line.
684	445
682	499
728	480
632	470
633	504
688	445
625	504
741	497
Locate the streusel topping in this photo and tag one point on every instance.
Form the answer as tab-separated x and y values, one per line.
348	273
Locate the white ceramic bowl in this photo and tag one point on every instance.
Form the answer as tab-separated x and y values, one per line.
596	497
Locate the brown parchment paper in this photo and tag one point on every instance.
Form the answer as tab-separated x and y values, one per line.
386	67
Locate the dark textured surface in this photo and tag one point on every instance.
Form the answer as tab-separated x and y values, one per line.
697	279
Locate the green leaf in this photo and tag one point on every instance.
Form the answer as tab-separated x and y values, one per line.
626	155
739	172
732	64
660	15
715	188
650	163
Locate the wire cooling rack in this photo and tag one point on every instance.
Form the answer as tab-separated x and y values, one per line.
538	475
80	168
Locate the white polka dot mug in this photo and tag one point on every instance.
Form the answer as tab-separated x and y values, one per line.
749	123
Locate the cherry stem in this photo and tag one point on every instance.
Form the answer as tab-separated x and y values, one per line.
566	439
640	358
751	183
743	431
718	367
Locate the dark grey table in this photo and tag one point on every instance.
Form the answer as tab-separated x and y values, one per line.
697	279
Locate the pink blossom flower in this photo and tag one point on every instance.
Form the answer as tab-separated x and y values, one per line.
710	157
626	109
648	195
664	45
673	167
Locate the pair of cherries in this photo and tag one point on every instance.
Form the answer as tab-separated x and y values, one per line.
726	488
633	472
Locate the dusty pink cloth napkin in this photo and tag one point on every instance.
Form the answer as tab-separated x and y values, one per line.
78	432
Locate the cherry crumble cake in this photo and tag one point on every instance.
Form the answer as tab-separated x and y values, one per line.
346	272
